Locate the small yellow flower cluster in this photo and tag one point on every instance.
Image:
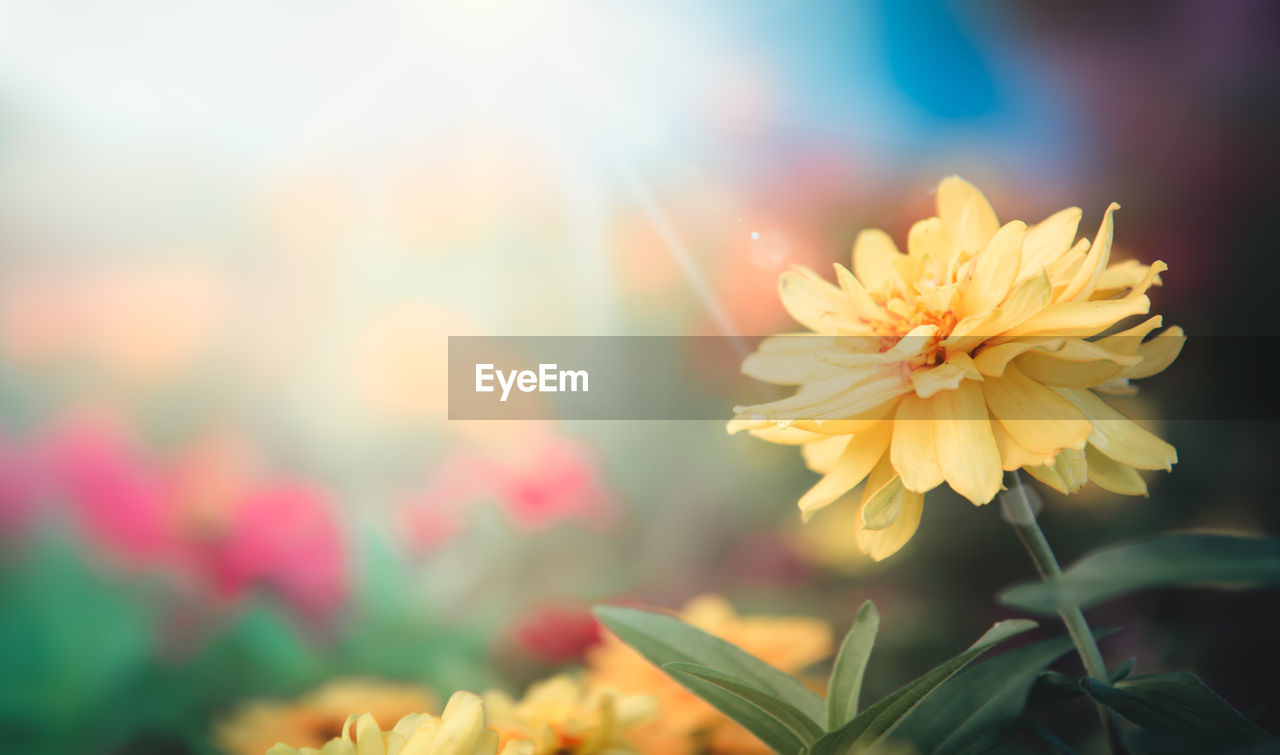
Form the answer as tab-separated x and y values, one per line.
318	716
622	705
460	730
559	716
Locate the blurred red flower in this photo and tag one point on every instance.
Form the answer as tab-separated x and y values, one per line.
558	634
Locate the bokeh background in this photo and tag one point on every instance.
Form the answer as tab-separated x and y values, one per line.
235	236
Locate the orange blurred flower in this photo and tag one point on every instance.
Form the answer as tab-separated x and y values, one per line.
685	723
315	718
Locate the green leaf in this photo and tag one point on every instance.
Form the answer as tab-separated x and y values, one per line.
874	722
1179	705
760	712
846	678
665	639
1052	687
1158	561
1124	669
979	708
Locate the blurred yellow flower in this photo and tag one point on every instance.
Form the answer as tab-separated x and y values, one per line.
460	730
561	715
829	544
318	716
685	724
975	352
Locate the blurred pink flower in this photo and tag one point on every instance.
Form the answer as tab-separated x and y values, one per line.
284	537
538	481
556	479
201	517
115	496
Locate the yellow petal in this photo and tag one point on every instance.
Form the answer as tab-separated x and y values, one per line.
1048	370
908	346
1127	341
1157	354
486	744
1086	318
994	273
966	214
1049	476
786	435
1074	363
991	360
849	426
1111	475
815	303
1048	240
853	466
881	508
1039	419
1086	278
912	450
868	396
1119	277
793	359
1072	469
821	455
1119	437
929	244
1063	270
816	394
1117	387
859	300
1026	300
420	737
369	737
787	369
875	260
1078	350
461	725
738	424
946	376
1013	455
880	544
966	448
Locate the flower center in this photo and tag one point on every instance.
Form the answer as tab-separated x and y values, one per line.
904	317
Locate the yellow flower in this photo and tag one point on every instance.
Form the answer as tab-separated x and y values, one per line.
318	716
460	730
685	724
561	715
977	351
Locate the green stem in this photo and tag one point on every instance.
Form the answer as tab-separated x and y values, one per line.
1017	509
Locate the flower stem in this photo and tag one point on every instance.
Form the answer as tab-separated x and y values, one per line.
1017	509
